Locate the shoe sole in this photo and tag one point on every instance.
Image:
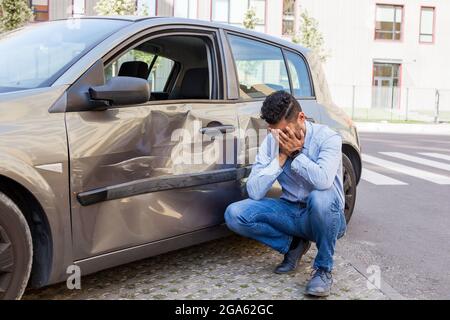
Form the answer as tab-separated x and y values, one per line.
287	272
299	258
318	294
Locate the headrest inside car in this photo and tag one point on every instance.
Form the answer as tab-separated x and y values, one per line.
135	69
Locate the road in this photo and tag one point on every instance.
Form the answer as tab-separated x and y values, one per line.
401	221
401	224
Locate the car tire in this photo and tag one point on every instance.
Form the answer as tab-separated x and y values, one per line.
349	176
16	250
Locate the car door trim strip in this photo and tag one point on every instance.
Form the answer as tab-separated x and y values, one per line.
150	185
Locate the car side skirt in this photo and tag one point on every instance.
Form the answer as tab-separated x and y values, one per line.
128	255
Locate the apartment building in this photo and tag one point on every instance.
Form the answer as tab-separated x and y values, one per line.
386	54
225	11
382	54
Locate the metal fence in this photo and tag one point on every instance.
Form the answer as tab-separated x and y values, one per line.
392	103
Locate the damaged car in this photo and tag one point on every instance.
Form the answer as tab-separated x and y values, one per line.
131	141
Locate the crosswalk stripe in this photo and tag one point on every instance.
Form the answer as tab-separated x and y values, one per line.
423	161
436	155
379	179
417	173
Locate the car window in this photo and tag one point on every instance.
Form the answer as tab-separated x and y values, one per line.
137	63
261	68
301	85
160	73
34	56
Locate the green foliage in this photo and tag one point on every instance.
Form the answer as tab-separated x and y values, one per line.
309	35
142	56
250	19
143	10
15	14
116	7
247	69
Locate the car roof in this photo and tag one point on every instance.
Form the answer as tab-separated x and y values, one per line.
204	23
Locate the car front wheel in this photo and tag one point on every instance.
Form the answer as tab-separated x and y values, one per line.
349	187
16	250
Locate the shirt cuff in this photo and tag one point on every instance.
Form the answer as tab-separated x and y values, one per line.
300	165
273	169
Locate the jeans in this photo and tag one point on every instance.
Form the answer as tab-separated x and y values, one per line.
275	222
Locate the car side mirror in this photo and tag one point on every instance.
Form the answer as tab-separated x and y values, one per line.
120	91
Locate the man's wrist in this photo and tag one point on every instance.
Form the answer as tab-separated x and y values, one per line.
282	157
295	153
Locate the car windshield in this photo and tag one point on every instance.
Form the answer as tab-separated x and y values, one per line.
36	55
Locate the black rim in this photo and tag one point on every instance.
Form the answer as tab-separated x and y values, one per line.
349	194
6	262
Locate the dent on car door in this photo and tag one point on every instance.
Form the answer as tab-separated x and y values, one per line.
262	69
142	155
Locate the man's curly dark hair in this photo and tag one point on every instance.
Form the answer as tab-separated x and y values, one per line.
278	106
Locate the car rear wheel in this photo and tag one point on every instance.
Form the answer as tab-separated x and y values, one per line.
16	250
349	187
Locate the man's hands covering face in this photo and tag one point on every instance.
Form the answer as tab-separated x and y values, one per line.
289	142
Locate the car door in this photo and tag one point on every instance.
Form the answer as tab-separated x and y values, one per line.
148	172
261	68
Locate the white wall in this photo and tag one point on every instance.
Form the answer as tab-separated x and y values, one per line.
274	17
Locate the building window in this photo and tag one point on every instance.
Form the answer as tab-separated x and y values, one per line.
233	11
386	85
40	10
260	9
288	18
78	8
388	22
146	7
426	25
185	8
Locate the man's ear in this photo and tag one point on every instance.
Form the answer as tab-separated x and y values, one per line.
301	117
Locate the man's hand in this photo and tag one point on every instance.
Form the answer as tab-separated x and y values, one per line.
282	157
290	142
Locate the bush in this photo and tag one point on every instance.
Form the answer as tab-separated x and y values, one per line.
14	14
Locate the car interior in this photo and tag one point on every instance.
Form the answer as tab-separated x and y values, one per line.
178	67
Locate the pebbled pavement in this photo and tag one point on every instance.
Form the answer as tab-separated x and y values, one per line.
229	268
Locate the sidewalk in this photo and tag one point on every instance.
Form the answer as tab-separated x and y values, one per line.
405	128
230	268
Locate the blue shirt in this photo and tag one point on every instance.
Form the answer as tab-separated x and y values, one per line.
317	167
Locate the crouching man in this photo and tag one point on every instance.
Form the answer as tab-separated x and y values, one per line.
306	160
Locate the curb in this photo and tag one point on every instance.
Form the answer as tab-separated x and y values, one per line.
384	288
424	129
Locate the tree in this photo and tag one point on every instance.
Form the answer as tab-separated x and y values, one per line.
116	7
143	10
309	35
250	19
15	14
248	67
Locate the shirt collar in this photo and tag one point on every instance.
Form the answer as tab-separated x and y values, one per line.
309	134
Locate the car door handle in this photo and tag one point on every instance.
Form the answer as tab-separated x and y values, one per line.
215	129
